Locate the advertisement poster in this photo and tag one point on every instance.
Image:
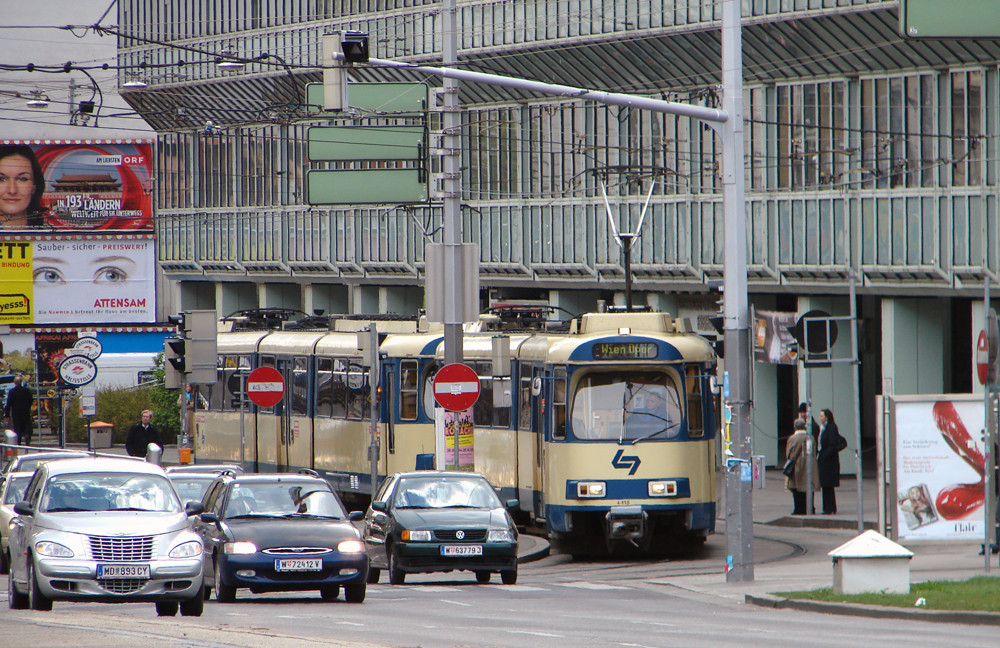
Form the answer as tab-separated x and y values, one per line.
939	471
771	338
65	280
466	454
77	186
51	348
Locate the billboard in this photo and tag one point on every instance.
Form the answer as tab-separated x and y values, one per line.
77	279
76	186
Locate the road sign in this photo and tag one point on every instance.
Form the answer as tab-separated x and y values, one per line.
333	143
936	19
456	387
77	370
365	186
982	357
265	386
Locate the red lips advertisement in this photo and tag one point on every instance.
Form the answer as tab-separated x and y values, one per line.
940	470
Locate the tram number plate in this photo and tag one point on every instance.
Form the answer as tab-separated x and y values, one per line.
462	550
298	564
110	572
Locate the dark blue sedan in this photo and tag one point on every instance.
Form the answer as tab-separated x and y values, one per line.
280	532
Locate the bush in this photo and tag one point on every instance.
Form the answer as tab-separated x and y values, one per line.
123	407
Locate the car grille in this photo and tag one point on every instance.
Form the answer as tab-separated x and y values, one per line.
123	586
450	535
121	549
282	551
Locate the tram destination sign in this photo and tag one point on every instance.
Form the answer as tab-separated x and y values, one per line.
626	351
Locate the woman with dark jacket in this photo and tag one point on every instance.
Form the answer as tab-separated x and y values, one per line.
828	458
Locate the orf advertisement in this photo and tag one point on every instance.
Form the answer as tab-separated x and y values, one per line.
67	280
76	186
939	468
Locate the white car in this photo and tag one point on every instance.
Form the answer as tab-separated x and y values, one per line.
108	530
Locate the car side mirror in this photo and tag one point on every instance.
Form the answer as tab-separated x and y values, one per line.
209	518
512	503
193	508
24	508
356	516
379	506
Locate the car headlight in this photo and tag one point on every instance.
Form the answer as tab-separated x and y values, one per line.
351	546
416	536
53	550
590	489
662	488
186	550
500	535
242	547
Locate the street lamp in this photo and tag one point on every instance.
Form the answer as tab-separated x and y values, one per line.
355	47
38	100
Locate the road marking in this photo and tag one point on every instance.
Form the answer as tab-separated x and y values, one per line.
519	588
349	623
535	634
462	603
592	586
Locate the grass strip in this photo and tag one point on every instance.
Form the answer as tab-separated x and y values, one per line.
978	594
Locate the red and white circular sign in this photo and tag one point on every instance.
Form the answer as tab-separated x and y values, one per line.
983	357
456	387
265	387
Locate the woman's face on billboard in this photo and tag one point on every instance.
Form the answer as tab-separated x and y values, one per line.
17	184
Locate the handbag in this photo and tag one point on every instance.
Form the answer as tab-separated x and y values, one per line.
840	443
789	469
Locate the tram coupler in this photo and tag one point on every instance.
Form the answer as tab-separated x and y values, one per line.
626	523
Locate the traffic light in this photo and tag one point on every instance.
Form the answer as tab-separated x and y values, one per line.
193	352
719	344
173	362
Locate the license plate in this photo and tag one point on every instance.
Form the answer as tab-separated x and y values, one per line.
298	564
461	550
109	572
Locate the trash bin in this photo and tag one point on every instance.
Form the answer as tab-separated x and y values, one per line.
101	434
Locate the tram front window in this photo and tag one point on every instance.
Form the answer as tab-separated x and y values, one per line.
626	408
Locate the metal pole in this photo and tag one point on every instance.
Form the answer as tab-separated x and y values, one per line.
988	510
810	507
452	186
627	240
856	365
243	396
373	378
739	481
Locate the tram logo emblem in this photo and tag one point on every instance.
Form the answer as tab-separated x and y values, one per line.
630	461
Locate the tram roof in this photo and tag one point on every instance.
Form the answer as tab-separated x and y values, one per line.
239	342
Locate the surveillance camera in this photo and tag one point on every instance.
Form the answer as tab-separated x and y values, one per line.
209	126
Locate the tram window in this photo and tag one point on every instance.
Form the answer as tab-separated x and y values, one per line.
559	403
338	389
696	426
300	386
324	387
358	405
482	411
524	399
409	385
612	406
428	389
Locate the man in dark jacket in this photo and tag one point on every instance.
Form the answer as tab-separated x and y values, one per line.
18	409
141	435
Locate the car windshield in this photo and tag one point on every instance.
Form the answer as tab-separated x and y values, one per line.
31	463
191	489
108	492
446	492
643	405
283	499
15	491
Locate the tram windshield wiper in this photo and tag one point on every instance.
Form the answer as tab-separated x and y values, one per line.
653	434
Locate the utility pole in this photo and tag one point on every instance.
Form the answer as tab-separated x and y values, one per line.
452	185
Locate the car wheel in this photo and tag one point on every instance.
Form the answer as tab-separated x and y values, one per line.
194	606
373	575
15	600
166	608
355	593
223	593
330	592
396	575
509	576
36	600
483	577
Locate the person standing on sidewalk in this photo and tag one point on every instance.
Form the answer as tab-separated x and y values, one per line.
828	458
799	450
141	435
18	410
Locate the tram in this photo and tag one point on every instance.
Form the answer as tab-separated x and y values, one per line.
603	427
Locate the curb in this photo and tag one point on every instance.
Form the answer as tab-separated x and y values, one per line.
811	522
875	611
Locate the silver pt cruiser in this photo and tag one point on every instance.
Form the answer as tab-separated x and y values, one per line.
104	529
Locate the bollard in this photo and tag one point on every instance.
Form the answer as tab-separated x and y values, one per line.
154	453
9	452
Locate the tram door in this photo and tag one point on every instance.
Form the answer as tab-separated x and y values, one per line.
269	426
297	424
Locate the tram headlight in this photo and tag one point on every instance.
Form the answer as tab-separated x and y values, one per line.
416	536
662	488
591	489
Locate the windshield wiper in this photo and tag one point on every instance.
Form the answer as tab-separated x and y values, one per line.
310	515
653	434
66	509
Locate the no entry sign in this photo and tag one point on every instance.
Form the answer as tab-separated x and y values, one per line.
456	387
265	386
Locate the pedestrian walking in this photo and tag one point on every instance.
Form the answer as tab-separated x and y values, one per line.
18	410
799	451
141	435
828	458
